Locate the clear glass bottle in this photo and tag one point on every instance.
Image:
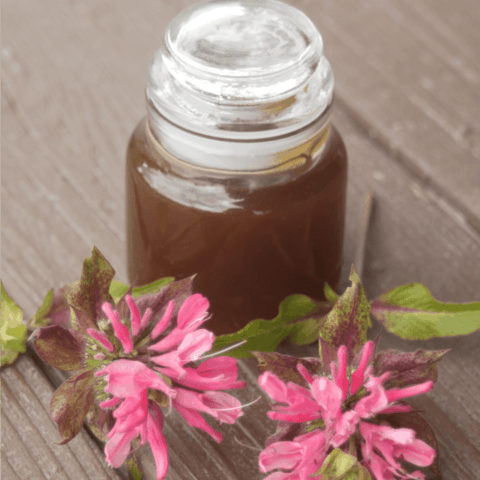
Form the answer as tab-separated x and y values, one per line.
236	174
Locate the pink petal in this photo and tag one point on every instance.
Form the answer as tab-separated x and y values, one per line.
128	423
329	396
228	409
345	427
195	344
358	374
194	379
194	419
134	315
128	378
273	386
165	320
102	338
373	403
159	447
396	394
172	362
110	403
131	404
172	340
284	455
293	418
304	373
341	377
118	447
146	318
192	312
120	330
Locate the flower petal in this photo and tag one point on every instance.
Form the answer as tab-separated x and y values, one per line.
118	447
193	312
134	315
194	419
358	374
398	393
284	455
158	444
273	386
162	325
120	330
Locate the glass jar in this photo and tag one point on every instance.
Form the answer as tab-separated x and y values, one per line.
236	174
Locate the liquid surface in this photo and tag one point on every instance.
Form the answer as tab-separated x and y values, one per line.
251	241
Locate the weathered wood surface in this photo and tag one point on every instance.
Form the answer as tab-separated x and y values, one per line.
407	82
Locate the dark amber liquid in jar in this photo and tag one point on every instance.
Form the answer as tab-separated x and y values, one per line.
283	235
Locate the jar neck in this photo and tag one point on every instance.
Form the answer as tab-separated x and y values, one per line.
256	154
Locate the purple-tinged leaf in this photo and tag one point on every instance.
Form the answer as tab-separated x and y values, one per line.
70	404
328	354
411	312
87	296
60	347
100	421
349	320
285	366
414	421
286	432
54	310
177	291
407	368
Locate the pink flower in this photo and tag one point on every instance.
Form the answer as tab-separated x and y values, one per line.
134	366
393	444
334	410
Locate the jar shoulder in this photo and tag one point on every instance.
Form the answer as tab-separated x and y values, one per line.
206	190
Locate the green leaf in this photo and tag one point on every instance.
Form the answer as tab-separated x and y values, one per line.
152	288
285	366
13	331
87	296
119	289
134	470
349	320
40	319
70	404
415	422
411	312
265	335
342	466
330	294
407	368
60	347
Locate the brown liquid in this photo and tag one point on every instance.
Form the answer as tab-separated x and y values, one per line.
251	240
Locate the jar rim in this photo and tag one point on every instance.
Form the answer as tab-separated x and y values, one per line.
232	66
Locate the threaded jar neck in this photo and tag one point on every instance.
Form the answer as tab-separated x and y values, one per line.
238	71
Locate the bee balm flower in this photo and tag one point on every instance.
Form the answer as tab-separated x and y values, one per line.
341	411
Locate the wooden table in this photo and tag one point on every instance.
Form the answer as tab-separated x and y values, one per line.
407	104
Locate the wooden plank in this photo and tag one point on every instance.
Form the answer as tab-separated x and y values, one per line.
26	396
414	89
15	452
7	472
